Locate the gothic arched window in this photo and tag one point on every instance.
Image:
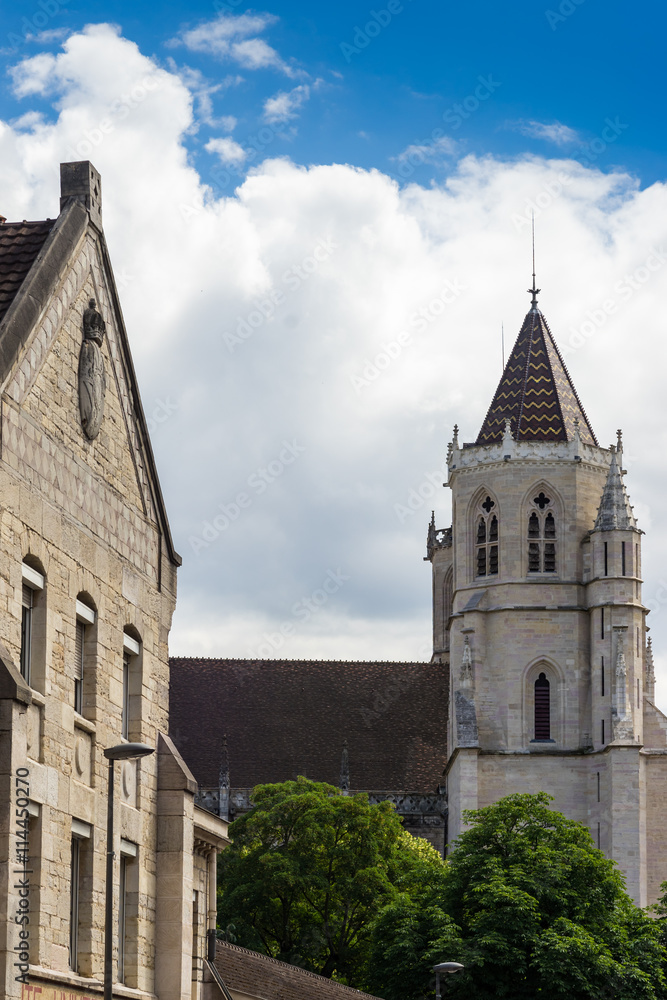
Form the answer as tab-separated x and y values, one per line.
486	538
542	708
542	536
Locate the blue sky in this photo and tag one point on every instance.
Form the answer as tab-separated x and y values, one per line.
380	82
279	207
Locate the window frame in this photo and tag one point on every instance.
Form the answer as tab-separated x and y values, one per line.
85	617
32	581
542	544
489	547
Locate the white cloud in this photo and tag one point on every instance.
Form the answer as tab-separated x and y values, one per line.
555	132
196	269
229	151
285	106
235	37
34	76
429	152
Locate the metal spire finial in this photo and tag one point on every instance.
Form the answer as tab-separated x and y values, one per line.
533	291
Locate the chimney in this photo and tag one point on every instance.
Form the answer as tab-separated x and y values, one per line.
81	182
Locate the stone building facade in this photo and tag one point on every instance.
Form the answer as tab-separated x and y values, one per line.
87	593
539	623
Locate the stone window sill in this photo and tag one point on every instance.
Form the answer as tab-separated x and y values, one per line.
81	723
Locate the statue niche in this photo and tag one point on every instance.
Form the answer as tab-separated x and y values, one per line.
92	380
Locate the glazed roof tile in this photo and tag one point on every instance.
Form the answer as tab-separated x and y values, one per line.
535	392
20	243
285	718
259	976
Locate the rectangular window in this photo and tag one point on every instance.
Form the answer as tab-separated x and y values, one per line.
122	923
26	631
598	786
125	718
195	936
638	640
127	914
602	677
493	560
481	562
74	901
637	692
602	731
602	623
85	616
623	558
606	562
636	560
79	641
598	835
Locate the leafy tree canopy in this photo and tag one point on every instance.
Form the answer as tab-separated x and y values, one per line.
308	871
530	907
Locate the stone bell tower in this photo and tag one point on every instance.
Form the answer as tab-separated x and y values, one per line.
537	614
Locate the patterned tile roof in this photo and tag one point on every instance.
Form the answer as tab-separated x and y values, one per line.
285	718
20	242
266	978
535	392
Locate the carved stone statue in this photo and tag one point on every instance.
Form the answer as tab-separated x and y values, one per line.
92	380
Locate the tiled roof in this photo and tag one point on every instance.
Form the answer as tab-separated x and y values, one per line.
285	718
20	242
535	392
266	978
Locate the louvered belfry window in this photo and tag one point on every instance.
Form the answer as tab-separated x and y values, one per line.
486	538
542	708
542	536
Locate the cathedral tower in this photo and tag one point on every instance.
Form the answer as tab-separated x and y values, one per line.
537	612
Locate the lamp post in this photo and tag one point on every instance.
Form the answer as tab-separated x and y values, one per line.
449	967
124	751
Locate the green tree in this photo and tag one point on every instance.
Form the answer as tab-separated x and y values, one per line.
308	871
531	908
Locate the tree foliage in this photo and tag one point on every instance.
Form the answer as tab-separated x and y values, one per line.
531	908
308	871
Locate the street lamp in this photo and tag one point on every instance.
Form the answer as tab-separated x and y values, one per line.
442	967
124	751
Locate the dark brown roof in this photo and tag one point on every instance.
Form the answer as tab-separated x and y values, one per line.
535	392
20	242
267	978
285	718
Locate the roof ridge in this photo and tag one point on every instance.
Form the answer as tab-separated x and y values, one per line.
277	961
271	659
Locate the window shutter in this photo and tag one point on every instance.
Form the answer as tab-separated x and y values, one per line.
542	709
27	597
78	651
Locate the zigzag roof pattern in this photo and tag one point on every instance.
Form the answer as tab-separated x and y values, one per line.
535	392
